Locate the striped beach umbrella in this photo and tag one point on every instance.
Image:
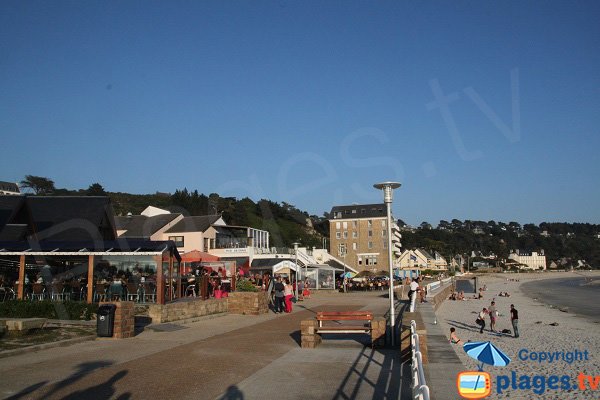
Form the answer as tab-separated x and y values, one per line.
486	353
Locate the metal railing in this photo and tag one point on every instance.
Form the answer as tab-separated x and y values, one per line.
420	388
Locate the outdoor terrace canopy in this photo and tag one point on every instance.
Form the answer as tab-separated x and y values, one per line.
160	254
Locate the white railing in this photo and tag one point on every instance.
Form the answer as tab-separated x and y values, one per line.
420	388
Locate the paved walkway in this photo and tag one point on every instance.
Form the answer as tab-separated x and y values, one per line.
227	357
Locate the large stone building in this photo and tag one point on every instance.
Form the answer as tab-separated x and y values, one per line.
358	236
421	259
530	260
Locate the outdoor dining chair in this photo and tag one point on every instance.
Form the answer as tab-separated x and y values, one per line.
38	292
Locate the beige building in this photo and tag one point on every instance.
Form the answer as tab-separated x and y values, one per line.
532	260
421	259
358	236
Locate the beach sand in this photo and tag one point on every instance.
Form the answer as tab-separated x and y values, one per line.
536	335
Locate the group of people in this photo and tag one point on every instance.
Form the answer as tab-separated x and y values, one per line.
416	287
283	293
491	312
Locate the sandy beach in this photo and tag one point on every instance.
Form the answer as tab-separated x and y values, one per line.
545	332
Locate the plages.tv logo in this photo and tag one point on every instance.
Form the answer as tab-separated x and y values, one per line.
478	384
474	384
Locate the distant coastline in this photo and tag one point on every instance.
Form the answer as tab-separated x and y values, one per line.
575	295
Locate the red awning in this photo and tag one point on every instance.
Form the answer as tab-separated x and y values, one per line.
198	256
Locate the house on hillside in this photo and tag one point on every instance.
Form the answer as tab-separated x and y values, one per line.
421	259
9	189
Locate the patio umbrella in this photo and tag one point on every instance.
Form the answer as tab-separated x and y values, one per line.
198	256
486	353
349	274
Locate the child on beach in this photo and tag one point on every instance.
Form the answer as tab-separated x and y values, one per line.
453	338
493	314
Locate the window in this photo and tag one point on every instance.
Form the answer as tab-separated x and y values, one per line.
354	211
337	225
354	224
345	235
383	223
369	223
178	240
338	235
345	224
385	244
338	214
371	260
370	233
353	246
363	211
383	233
354	235
370	245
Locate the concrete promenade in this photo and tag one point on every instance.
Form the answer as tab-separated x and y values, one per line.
223	357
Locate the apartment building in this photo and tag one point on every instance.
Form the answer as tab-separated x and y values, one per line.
532	259
358	236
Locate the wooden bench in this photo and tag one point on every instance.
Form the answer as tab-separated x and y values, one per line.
336	322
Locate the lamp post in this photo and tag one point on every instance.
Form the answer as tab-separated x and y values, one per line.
387	188
296	270
342	252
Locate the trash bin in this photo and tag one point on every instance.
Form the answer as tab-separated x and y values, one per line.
105	320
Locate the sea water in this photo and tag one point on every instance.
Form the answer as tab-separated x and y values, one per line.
580	296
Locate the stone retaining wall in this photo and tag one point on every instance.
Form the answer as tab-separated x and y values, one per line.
248	303
190	308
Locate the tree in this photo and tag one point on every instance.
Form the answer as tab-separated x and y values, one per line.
95	189
38	184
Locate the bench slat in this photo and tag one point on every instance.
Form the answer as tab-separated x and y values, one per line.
343	312
345	318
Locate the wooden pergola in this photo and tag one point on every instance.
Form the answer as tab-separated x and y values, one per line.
163	253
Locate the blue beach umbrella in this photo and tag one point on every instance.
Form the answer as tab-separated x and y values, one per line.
349	274
486	353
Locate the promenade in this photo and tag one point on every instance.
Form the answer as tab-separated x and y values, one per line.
220	357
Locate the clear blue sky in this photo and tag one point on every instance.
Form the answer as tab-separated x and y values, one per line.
483	110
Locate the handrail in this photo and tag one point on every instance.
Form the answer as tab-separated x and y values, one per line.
420	388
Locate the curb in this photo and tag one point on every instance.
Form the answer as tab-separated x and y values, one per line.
31	349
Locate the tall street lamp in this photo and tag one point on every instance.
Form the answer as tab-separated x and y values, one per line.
342	252
388	188
296	270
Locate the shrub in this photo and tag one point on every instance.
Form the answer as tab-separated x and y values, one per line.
72	310
244	285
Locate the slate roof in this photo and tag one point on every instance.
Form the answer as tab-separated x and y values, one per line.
57	218
356	211
9	187
193	224
141	226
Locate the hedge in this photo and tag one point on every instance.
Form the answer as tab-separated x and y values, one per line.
69	310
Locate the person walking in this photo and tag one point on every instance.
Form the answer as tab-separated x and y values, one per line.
481	319
288	293
278	287
514	318
493	315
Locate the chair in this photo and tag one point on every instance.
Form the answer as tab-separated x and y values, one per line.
149	291
58	292
99	292
38	292
133	292
190	290
76	291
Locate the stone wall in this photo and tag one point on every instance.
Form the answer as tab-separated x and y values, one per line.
441	294
248	303
190	308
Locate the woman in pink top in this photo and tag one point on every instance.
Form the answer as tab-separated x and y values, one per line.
288	292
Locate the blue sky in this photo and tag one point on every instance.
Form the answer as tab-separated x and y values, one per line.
483	110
